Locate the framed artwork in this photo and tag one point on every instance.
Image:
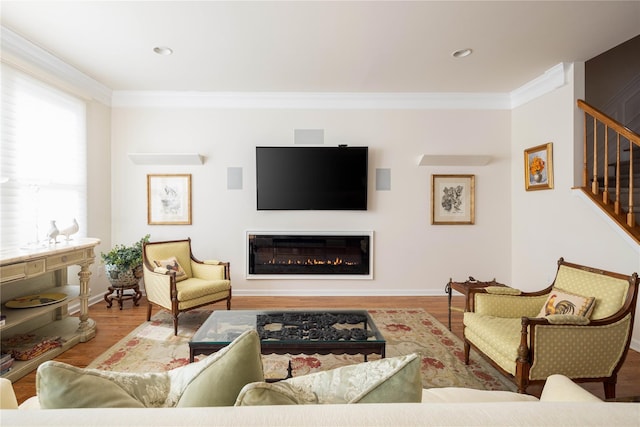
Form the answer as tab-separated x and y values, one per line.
538	167
453	199
169	199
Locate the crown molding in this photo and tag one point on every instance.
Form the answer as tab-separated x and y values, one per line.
310	100
551	80
20	52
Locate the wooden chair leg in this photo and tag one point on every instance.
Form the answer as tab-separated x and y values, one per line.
609	389
467	348
175	324
521	384
148	311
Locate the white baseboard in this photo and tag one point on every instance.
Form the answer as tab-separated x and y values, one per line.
93	299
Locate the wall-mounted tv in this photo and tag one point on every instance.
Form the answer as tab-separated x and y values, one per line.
312	178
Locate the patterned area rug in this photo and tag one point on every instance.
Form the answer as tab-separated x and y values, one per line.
153	347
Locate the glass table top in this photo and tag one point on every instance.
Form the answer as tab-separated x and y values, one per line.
290	326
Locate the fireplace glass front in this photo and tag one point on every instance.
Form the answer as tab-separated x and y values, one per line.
290	254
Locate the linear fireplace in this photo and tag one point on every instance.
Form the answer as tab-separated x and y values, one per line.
304	254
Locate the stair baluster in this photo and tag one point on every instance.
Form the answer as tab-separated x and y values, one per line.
618	204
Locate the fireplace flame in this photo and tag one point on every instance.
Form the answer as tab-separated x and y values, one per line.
311	261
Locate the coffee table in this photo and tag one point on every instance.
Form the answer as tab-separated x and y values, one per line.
292	332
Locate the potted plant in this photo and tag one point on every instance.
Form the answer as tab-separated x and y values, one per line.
123	264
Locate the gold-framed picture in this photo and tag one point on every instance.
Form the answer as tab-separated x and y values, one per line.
453	199
538	167
169	199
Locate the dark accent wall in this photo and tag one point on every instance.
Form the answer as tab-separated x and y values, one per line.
612	83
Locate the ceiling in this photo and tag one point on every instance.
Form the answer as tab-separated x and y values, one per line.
324	46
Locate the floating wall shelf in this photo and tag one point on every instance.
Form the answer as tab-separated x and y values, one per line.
454	160
166	158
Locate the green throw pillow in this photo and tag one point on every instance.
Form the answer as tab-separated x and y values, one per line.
390	380
214	381
59	385
233	367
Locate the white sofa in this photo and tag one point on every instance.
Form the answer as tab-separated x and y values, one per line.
561	403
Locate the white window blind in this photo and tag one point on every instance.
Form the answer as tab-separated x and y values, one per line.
43	172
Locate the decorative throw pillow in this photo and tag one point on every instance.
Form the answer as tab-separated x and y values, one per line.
561	302
214	381
278	393
167	266
59	385
390	380
233	367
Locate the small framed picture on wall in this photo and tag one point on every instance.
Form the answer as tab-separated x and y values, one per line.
453	199
169	199
538	167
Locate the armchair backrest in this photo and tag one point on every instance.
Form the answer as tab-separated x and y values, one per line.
158	251
610	292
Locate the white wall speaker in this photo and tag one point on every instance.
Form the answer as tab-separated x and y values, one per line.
308	136
383	179
234	178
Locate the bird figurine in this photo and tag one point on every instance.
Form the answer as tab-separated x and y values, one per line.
53	232
72	229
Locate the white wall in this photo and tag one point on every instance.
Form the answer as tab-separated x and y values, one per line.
411	256
549	224
98	188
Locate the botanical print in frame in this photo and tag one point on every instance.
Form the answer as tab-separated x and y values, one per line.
452	199
538	167
169	199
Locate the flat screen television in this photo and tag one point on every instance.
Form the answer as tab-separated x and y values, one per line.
312	178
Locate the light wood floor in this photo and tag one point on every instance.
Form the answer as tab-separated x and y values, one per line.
113	324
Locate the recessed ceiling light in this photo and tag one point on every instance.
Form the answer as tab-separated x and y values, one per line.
462	53
163	50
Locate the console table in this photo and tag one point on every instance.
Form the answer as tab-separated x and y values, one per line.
43	270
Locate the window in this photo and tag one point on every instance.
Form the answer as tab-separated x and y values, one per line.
42	160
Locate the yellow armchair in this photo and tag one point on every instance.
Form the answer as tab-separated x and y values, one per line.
528	342
174	279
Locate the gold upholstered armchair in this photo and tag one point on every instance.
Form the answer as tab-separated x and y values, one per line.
174	279
580	327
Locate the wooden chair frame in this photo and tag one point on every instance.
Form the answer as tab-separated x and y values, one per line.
527	352
175	311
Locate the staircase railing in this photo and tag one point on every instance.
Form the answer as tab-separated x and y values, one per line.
610	145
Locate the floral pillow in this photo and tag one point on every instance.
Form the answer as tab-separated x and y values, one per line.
215	380
389	380
167	266
561	302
